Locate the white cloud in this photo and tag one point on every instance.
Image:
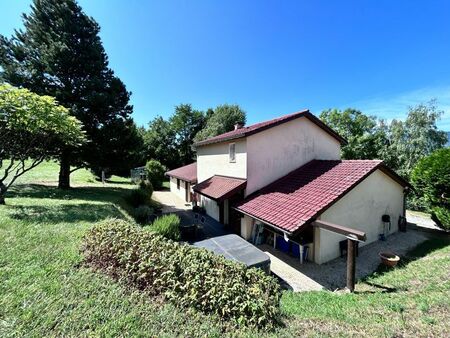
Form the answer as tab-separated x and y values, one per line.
396	107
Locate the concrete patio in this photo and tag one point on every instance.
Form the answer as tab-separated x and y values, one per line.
170	202
332	275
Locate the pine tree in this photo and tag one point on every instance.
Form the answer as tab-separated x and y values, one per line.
59	53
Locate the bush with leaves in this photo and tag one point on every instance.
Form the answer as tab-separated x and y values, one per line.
142	214
441	216
182	274
167	226
147	186
138	197
431	181
155	173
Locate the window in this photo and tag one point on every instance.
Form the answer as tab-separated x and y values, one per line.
178	183
232	152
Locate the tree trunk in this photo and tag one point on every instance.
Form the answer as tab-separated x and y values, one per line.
2	193
64	171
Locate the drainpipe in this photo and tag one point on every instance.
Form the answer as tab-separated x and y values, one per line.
405	193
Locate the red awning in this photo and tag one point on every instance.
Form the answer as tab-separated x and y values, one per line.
220	187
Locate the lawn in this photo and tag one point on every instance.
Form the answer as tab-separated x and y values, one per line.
46	291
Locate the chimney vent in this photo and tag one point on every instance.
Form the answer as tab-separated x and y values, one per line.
238	125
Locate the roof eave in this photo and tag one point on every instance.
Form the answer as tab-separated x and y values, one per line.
181	178
287	232
303	113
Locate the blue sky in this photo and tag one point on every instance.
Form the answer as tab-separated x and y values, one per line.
273	57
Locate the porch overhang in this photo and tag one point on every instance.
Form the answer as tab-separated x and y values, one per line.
219	188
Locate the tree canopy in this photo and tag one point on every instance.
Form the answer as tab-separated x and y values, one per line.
221	120
159	142
400	144
416	137
358	129
171	141
59	53
32	128
186	122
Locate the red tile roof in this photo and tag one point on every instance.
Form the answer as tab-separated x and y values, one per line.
297	198
187	173
258	127
220	187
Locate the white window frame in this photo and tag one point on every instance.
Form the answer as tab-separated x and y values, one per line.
232	155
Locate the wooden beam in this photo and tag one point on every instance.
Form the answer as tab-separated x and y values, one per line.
340	229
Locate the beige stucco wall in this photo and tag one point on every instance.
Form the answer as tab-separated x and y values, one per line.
360	209
247	227
181	193
213	160
277	151
211	207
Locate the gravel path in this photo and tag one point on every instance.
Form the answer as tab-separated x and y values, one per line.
421	220
332	275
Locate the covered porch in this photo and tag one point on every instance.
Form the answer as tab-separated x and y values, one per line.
332	275
217	195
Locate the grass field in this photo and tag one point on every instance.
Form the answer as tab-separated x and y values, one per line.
45	291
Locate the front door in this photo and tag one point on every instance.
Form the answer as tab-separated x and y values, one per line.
187	191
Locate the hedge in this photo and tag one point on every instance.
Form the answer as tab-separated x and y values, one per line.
182	274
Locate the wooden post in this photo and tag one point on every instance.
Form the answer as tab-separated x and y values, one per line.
351	254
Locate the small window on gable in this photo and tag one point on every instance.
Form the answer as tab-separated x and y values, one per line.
232	152
178	183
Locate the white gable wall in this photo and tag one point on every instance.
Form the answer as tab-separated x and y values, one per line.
361	209
214	159
277	151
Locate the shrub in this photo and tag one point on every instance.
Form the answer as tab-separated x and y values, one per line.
441	216
147	186
142	214
167	226
155	173
431	181
431	178
184	275
138	197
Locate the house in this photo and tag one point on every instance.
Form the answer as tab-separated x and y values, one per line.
181	181
271	181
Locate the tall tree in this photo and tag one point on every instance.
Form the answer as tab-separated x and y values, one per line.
33	128
159	143
416	137
186	123
124	148
221	120
360	130
59	53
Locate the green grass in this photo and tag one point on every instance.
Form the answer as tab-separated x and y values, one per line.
46	291
412	299
166	185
